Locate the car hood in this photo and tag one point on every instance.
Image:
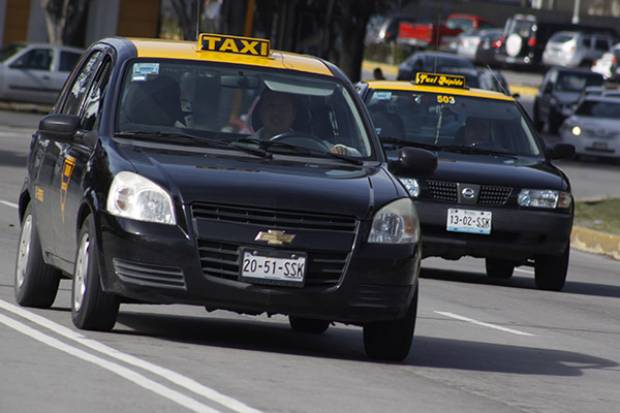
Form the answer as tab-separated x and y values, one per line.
225	178
519	172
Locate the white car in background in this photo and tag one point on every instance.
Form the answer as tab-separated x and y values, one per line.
594	128
35	72
607	65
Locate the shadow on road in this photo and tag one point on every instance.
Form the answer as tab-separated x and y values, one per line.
346	344
527	282
9	158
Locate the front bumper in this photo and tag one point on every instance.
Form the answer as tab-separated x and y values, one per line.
162	264
517	234
586	144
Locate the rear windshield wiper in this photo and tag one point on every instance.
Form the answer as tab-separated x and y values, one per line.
183	137
297	149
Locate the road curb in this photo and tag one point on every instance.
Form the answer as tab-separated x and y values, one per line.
392	70
25	107
596	242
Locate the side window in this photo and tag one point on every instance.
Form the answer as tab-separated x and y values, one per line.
92	105
68	60
601	44
35	59
78	89
586	41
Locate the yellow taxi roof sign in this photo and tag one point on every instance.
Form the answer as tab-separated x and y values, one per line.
234	44
440	80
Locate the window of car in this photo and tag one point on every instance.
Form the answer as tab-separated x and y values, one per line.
576	82
586	41
94	99
81	84
599	109
446	121
226	103
34	59
68	60
602	44
460	24
523	28
562	38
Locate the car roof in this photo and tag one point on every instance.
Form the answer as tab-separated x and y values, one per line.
187	50
408	86
50	45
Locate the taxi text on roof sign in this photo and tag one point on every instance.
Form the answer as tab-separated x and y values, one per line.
441	80
233	44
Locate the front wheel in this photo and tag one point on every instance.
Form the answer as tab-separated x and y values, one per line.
91	307
391	340
550	271
36	283
500	269
308	325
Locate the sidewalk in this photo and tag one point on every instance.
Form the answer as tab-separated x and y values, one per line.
596	242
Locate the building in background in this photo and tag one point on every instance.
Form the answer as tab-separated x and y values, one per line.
24	20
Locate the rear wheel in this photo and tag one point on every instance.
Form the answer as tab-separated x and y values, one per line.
500	269
308	325
391	340
91	307
550	271
36	283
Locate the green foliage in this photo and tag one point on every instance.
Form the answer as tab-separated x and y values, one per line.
599	215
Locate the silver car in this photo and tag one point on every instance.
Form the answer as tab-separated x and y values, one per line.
35	72
575	49
594	128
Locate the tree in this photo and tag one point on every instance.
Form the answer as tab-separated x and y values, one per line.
66	21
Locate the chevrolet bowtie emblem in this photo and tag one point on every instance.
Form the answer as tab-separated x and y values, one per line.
273	237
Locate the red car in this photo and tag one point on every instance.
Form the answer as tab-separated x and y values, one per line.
428	33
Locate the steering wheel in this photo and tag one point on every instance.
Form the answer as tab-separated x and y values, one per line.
304	140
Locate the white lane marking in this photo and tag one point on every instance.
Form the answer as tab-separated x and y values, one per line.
483	324
7	203
172	376
115	368
525	270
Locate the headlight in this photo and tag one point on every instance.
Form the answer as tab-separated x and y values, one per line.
576	130
412	186
537	198
396	223
135	197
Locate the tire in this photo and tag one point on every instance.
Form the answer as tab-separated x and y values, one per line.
91	307
36	283
391	340
550	271
499	269
308	325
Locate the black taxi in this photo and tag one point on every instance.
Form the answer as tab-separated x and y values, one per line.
222	174
495	193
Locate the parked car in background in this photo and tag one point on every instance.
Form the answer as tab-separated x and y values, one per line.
481	79
574	49
607	65
594	128
35	72
558	94
479	46
429	32
526	36
430	62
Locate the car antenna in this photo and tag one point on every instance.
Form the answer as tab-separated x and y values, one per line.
501	85
197	19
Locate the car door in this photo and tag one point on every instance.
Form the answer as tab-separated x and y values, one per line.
50	160
75	156
28	76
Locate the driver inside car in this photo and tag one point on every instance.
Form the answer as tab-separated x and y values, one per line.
277	112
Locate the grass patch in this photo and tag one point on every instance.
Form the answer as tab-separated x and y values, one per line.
599	215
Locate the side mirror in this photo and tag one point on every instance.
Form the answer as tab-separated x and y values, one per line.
561	151
59	127
414	162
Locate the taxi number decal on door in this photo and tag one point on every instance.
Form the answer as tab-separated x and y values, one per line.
67	171
446	100
39	193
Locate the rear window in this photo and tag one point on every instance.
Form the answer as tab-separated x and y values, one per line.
522	27
576	82
562	38
598	109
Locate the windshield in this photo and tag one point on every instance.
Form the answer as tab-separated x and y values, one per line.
562	37
599	109
9	51
452	123
576	82
227	104
459	23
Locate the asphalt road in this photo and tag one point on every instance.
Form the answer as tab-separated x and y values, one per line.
480	345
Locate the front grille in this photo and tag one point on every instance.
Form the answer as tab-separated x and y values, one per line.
444	191
222	260
441	191
149	275
494	195
273	218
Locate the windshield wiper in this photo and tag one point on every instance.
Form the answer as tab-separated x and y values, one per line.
475	150
176	137
267	145
407	142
